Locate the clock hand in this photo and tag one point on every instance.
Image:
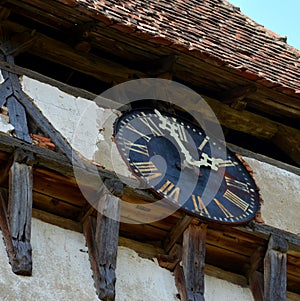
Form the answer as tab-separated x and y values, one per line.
172	128
213	163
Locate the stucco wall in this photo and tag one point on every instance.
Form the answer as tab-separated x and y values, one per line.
61	272
79	120
61	269
280	191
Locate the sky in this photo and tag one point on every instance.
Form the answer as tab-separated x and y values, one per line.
280	16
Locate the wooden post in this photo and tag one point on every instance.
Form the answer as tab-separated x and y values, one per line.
15	222
102	234
275	278
190	277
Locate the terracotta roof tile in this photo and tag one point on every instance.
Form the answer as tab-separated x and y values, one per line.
214	30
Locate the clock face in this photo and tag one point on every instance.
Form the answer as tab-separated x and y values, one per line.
183	164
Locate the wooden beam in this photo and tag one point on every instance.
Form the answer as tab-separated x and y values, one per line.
236	97
9	97
275	276
170	260
20	212
56	220
62	53
255	278
4	224
18	118
163	65
288	140
102	240
177	232
16	43
193	261
20	107
256	284
265	231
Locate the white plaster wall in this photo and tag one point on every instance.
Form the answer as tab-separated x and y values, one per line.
5	126
140	279
86	126
222	290
61	272
61	269
280	191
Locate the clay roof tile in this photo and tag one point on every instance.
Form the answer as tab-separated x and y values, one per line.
212	29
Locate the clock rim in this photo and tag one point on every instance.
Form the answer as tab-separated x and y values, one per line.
171	203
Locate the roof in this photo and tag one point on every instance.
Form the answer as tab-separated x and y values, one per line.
213	30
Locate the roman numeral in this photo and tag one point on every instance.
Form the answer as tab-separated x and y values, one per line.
181	132
148	170
203	143
199	205
133	129
233	198
237	184
226	212
135	147
155	130
170	190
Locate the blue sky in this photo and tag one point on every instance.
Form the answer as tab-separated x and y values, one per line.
280	16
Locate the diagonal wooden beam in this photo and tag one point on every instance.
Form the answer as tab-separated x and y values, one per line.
177	232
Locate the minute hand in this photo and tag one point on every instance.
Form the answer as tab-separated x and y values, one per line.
213	163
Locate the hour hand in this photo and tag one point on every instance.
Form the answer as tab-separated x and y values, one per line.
172	128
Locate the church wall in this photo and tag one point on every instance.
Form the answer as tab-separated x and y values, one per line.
79	120
62	271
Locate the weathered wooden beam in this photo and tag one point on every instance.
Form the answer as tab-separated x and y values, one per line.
256	284
16	43
158	67
190	277
18	118
20	107
62	53
265	231
169	261
20	212
4	13
288	140
177	232
4	223
236	97
102	236
275	276
255	278
9	97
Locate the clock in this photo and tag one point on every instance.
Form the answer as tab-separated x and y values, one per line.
188	167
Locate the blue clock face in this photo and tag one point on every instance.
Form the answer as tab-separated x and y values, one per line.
183	164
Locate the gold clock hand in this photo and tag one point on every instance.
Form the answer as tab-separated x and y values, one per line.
213	163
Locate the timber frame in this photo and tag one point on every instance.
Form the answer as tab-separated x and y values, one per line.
256	255
249	260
